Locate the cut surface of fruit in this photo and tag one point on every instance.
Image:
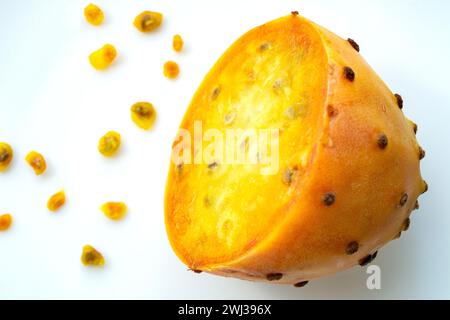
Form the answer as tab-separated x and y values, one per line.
276	79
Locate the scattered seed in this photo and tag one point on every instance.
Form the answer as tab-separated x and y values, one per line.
56	201
109	144
37	162
92	257
103	57
403	200
171	69
143	115
421	153
398	235
329	198
352	248
5	221
353	44
6	156
114	210
399	100
415	127
274	276
301	284
177	43
196	271
294	13
93	14
349	74
416	205
406	224
382	141
148	21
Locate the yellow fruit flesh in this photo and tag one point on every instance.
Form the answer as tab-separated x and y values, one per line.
268	83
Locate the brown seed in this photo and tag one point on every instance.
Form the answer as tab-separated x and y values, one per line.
180	168
213	165
329	198
415	127
207	201
406	224
421	153
416	205
215	93
353	44
274	276
398	235
294	13
399	100
301	284
403	200
264	46
197	271
288	175
382	141
349	74
332	111
352	248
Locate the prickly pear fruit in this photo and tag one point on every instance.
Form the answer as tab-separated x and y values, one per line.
349	172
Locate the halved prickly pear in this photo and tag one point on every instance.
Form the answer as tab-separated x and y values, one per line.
342	178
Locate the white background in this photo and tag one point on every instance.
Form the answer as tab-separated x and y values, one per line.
52	100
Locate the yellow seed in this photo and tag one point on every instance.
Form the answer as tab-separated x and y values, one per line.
56	201
148	21
143	115
177	43
6	156
91	257
5	221
37	162
114	210
103	57
109	144
93	14
171	69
